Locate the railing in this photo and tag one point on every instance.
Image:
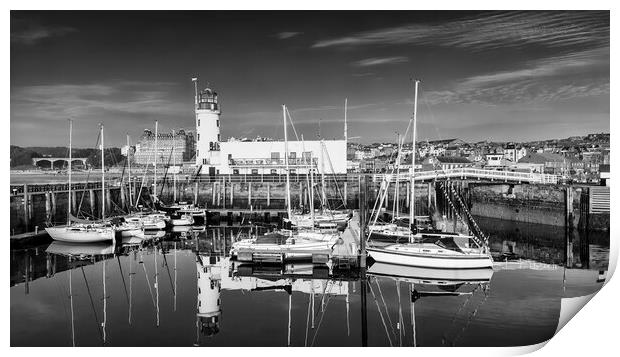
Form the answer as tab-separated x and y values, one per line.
599	200
271	162
471	173
462	173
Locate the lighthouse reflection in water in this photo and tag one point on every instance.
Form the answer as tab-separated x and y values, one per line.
181	289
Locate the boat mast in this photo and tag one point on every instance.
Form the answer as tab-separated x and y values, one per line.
412	289
155	165
72	315
345	123
288	183
396	185
413	135
102	177
129	171
174	176
105	303
323	196
157	285
70	158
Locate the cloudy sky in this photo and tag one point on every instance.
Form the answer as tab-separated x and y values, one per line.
484	75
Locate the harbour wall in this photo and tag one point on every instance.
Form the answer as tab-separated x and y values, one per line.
33	206
539	204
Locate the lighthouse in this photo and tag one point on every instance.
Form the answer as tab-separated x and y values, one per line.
208	273
208	137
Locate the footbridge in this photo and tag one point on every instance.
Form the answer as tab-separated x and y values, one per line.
472	174
52	160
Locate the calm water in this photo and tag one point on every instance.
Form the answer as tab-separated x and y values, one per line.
181	290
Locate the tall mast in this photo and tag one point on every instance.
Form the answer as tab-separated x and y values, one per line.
72	314
102	176
105	304
70	157
413	135
129	171
396	184
174	176
345	121
309	180
155	164
288	183
323	196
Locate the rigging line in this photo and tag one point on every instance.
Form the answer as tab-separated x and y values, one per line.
308	319
329	161
401	330
168	268
387	312
161	192
292	124
60	291
120	268
147	281
86	183
430	111
453	322
324	309
387	334
471	317
92	304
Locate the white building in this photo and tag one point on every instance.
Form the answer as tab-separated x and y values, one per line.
258	157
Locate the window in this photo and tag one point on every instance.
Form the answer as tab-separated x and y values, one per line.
254	171
274	171
292	171
198	136
235	171
275	155
197	153
229	156
307	156
204	161
198	122
217	122
218	137
292	155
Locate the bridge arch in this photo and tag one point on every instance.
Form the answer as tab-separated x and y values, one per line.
57	162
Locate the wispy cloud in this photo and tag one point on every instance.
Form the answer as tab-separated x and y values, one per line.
29	32
287	34
62	101
377	61
580	74
492	30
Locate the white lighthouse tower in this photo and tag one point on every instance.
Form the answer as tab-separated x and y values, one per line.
207	129
209	289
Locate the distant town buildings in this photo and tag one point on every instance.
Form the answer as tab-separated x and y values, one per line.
575	159
177	146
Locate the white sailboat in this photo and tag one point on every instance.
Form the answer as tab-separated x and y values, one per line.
285	244
432	250
84	232
325	218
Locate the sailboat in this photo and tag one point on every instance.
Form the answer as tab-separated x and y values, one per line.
325	218
432	249
286	244
150	220
82	231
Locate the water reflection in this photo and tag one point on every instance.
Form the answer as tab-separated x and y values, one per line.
181	289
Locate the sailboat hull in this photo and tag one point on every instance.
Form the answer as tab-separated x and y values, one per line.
432	276
435	261
65	234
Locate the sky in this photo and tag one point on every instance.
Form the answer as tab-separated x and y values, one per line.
498	76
